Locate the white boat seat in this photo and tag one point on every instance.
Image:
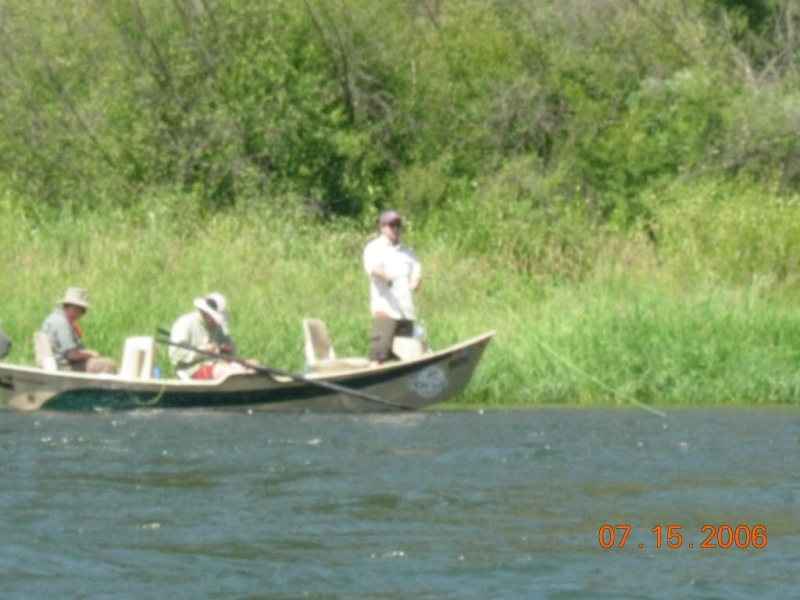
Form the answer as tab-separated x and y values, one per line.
320	355
43	352
138	356
408	348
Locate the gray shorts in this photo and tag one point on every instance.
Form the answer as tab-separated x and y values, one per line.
384	329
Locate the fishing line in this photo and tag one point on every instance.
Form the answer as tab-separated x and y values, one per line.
589	376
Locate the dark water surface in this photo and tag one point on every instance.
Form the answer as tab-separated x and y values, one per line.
497	504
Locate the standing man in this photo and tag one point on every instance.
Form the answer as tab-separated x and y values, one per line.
66	338
394	276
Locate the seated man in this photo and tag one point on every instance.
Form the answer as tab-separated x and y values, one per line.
66	338
204	329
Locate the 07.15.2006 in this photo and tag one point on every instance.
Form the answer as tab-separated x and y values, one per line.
722	536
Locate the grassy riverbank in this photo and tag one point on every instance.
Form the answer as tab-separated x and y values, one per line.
704	315
611	186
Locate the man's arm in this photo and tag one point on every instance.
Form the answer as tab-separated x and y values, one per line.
374	262
181	333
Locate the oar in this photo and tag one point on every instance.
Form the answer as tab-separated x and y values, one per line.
273	371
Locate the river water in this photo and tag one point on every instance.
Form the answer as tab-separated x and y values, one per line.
431	505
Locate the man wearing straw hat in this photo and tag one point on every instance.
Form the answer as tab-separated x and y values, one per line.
204	329
66	338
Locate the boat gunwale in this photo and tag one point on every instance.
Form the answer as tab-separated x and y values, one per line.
175	384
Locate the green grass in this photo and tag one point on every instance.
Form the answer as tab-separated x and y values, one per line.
655	328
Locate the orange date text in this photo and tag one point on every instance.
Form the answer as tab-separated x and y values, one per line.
672	536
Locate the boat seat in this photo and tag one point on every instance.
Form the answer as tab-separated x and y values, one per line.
408	348
320	355
43	352
138	356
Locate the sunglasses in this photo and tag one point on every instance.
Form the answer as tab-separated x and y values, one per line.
395	225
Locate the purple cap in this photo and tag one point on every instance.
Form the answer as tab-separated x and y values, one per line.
389	217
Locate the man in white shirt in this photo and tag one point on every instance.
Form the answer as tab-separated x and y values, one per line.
394	276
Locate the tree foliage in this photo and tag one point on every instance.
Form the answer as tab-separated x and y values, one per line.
343	105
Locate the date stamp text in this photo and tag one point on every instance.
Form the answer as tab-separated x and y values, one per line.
673	536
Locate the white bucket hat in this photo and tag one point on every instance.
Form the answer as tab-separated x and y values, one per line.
215	306
76	297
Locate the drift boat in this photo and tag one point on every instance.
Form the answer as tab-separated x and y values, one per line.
409	384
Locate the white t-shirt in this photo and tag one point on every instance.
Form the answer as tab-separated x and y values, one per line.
397	261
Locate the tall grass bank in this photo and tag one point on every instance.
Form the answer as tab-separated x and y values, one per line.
705	313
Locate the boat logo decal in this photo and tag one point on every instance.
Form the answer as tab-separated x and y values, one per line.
429	382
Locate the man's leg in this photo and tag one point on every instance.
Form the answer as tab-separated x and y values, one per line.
383	330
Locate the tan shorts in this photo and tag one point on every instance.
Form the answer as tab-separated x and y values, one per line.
99	364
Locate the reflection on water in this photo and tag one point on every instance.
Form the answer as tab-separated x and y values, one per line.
499	504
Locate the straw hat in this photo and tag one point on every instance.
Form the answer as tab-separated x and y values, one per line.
76	297
215	306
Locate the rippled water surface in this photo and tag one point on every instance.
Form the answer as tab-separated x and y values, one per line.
496	504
